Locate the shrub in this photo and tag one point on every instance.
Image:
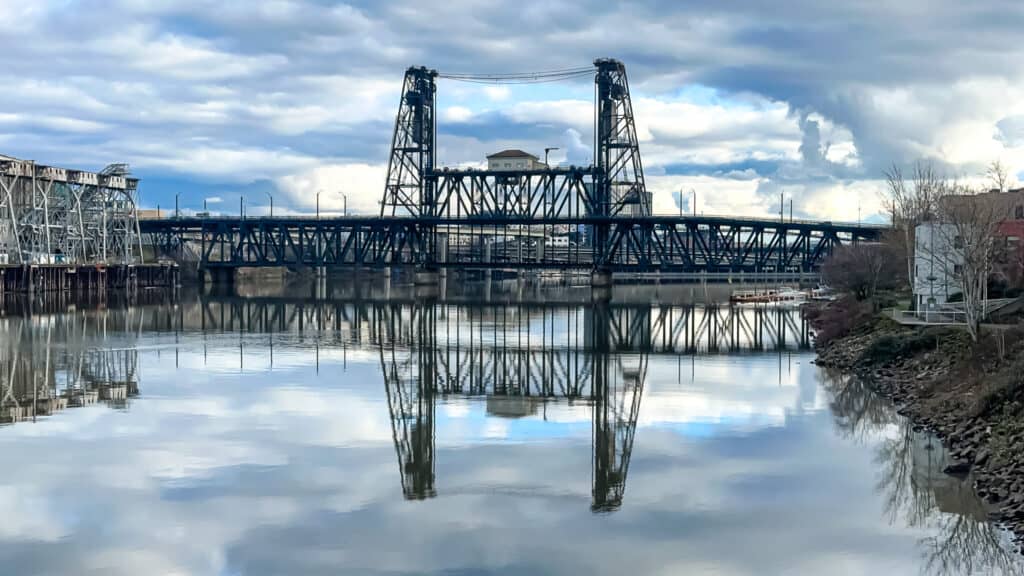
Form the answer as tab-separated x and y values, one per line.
892	347
838	319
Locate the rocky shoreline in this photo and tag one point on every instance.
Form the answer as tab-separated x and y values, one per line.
970	395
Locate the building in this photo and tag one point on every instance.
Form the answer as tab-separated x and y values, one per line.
514	160
937	260
936	265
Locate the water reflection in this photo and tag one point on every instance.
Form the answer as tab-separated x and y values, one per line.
285	435
916	491
40	377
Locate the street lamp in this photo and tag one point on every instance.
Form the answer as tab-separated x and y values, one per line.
344	199
694	193
318	204
271	196
177	213
546	150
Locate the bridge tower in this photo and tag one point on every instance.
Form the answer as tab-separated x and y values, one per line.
620	189
408	192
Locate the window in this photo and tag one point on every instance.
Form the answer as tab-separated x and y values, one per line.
958	242
508	164
917	270
958	269
1018	212
519	164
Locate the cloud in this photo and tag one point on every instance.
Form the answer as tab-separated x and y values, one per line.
223	94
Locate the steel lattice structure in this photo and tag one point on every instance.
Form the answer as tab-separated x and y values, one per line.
612	186
638	244
52	215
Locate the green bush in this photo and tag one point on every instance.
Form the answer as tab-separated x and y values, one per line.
892	347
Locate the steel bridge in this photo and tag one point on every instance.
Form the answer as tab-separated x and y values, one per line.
438	218
635	244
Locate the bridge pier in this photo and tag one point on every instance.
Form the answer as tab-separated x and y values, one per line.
601	285
426	282
220	277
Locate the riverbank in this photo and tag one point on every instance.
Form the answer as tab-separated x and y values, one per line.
970	395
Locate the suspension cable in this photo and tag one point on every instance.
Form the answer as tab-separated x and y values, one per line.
520	77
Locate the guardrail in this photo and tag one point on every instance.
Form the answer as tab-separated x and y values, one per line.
929	317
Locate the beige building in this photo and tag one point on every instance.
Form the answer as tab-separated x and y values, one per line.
514	160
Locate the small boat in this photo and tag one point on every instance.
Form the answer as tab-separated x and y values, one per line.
782	295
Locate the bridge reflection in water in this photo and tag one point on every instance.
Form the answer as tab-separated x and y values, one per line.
518	357
520	361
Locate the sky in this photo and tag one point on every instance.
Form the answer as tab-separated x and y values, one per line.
736	102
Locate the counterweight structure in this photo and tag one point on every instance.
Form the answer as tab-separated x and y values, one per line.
51	215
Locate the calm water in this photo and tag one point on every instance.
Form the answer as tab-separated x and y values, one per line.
292	436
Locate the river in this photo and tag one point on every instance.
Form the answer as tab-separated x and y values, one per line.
398	435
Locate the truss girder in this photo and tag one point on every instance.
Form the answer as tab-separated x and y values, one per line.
517	241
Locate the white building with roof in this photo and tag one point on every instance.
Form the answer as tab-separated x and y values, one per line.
937	264
514	159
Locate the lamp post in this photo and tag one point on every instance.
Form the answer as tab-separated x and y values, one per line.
241	207
177	213
546	150
271	196
344	205
694	192
318	204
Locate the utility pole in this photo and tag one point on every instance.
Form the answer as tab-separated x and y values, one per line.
546	150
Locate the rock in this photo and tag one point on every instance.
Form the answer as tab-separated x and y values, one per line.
958	468
981	458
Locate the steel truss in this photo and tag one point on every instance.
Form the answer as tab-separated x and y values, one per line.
647	244
407	192
612	186
54	215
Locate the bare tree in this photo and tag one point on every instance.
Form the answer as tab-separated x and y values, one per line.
998	176
862	269
968	227
910	204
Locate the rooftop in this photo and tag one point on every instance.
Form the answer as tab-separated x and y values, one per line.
512	153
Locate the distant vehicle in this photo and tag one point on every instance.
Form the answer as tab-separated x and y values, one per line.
202	214
557	241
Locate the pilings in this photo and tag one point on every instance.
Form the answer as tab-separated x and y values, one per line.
34	278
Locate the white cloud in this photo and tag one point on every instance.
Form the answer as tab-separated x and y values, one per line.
363	183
